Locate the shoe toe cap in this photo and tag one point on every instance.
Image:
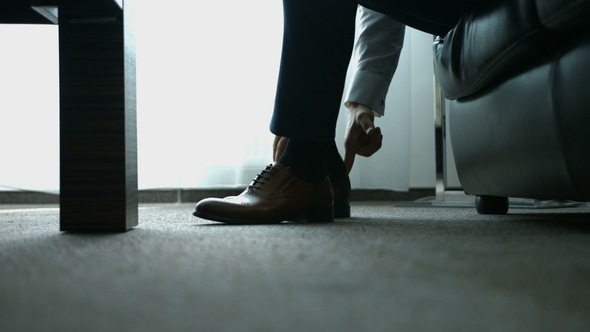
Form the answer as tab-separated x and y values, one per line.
208	205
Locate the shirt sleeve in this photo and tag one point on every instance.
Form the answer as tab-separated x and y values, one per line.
376	51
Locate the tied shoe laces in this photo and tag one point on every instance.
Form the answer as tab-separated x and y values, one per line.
256	182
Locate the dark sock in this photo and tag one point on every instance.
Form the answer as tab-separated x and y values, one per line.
336	167
306	159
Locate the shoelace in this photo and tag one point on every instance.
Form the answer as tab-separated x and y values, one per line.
260	176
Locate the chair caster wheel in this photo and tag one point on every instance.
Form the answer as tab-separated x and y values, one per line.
491	205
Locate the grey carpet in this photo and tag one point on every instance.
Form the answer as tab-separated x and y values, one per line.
386	269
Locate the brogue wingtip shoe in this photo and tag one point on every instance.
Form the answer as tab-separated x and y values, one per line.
275	195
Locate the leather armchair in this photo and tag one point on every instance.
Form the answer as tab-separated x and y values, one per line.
517	73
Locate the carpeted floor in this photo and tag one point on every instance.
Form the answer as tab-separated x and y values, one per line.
386	269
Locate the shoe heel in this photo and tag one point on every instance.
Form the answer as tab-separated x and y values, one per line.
342	211
321	216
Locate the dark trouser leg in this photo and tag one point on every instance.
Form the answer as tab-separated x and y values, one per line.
317	44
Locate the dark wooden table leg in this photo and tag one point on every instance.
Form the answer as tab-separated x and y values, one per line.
98	130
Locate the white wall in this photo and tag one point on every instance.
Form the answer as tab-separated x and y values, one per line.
29	107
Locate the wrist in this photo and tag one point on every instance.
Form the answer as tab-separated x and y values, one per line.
358	109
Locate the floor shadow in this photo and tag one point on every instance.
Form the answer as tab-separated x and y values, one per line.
572	221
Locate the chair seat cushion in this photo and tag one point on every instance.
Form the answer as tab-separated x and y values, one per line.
499	37
484	43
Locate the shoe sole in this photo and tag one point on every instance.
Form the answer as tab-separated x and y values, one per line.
311	217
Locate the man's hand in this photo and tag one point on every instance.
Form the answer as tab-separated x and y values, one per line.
362	137
278	147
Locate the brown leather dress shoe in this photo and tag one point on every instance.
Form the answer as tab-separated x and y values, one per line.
275	195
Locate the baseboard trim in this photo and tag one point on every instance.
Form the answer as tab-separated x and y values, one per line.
27	197
195	195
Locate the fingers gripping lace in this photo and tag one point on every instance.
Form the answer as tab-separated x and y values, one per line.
260	177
